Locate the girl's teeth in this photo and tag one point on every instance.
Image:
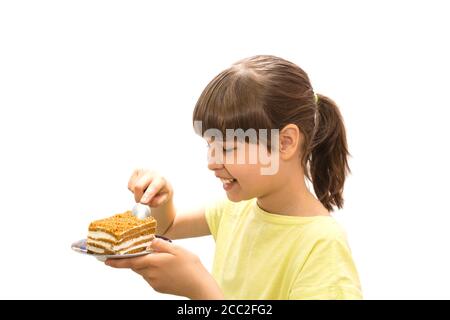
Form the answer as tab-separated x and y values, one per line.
226	180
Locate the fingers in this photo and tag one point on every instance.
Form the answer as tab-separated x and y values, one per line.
157	184
159	199
142	265
163	246
142	182
133	179
131	263
149	188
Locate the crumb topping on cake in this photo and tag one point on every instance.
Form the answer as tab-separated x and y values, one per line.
119	223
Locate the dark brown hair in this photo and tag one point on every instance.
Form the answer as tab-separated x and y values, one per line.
267	92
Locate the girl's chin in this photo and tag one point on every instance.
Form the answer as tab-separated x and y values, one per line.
234	196
237	196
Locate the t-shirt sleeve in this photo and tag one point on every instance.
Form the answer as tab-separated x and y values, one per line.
328	273
214	213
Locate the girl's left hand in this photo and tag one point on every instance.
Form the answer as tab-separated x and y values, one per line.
172	269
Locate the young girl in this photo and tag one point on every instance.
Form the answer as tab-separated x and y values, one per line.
274	238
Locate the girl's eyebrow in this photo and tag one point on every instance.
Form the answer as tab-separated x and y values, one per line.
209	140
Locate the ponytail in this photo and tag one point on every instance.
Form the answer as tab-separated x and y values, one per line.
328	163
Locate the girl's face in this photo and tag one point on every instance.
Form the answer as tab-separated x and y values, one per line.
239	166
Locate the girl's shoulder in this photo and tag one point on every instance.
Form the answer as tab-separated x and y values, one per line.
326	229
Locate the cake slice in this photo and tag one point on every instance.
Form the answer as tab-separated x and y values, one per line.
120	234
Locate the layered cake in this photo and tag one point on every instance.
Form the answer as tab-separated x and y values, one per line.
120	234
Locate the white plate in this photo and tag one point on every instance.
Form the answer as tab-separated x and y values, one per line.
80	247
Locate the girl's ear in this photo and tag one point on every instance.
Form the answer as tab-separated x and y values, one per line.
290	139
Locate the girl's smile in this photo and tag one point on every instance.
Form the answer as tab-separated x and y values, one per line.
228	183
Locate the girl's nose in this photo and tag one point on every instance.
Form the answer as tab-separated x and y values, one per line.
215	161
214	166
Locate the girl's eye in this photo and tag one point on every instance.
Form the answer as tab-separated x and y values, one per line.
229	149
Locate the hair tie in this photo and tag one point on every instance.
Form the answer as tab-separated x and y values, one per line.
316	115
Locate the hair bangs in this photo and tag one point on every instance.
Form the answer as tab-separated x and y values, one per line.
232	100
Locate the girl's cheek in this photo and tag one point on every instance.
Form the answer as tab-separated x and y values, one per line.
229	158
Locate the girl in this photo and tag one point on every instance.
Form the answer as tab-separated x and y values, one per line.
274	238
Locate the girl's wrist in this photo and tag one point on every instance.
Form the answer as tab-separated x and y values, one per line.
164	215
207	288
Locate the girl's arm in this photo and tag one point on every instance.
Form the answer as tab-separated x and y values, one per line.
187	225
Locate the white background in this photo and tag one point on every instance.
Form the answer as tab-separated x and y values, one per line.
90	90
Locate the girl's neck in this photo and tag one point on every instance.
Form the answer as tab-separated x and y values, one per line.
293	199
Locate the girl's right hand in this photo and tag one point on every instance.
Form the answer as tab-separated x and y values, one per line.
150	188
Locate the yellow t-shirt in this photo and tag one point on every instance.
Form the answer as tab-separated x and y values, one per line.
260	255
